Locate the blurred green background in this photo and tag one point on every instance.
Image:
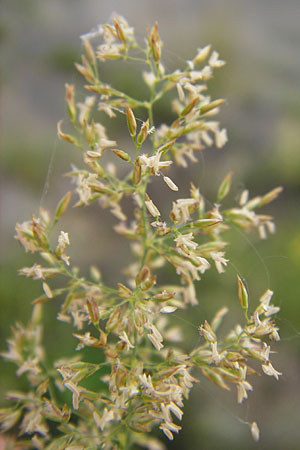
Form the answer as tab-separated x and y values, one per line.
260	40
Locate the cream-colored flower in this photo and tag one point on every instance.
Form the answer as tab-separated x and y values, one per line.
153	162
219	260
244	197
63	239
202	54
108	109
221	138
149	78
242	388
85	108
146	381
36	272
181	209
270	371
30	365
26	237
107	416
186	240
83	189
201	75
214	60
124	338
216	357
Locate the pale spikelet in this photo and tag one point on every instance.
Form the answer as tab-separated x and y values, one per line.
94	33
156	342
124	338
149	78
202	54
266	297
219	260
146	382
63	240
270	196
65	136
221	138
105	143
108	109
30	365
153	162
167	432
219	317
244	197
262	232
83	187
216	357
180	92
171	184
47	290
155	338
175	410
36	272
153	210
106	417
271	226
270	371
242	388
181	209
117	212
63	318
75	393
271	310
214	60
255	431
85	109
168	309
186	240
207	332
25	235
189	294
